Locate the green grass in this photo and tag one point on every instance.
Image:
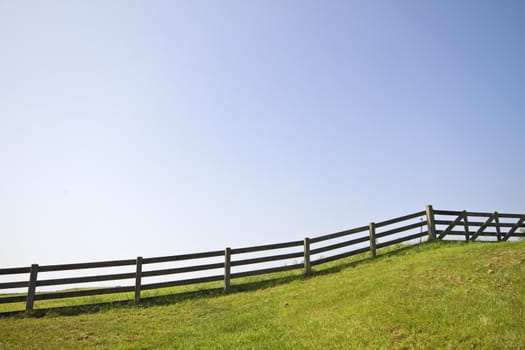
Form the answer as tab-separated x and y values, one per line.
433	296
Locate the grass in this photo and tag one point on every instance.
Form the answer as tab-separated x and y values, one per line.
439	295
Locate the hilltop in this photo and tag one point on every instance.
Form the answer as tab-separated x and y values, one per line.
437	295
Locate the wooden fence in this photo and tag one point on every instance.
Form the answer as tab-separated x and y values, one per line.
421	226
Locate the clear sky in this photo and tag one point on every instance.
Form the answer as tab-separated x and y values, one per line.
162	127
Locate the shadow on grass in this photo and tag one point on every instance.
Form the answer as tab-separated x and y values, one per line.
216	292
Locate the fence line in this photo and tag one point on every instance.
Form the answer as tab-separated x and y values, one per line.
433	224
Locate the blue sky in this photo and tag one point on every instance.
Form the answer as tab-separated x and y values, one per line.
156	128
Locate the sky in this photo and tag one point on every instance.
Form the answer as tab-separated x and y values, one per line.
151	128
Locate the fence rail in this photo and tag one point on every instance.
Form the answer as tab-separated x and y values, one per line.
432	224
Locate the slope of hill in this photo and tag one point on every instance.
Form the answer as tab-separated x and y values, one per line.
439	295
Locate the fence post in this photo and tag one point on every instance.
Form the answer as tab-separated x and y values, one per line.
498	229
227	268
138	278
372	230
431	224
465	225
33	272
307	268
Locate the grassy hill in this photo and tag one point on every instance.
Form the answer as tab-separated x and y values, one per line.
439	295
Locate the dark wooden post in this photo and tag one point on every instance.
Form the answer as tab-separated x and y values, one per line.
431	224
138	278
227	268
33	272
307	268
372	229
465	225
498	229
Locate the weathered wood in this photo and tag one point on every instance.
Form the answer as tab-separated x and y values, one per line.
372	232
483	234
266	271
227	268
340	256
185	282
454	233
14	270
31	290
85	279
90	265
431	223
339	245
510	216
514	228
13	299
307	267
9	285
478	214
451	226
447	212
399	219
465	225
180	257
266	247
400	229
498	227
483	227
138	279
501	215
401	239
266	259
474	223
84	292
185	269
339	234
